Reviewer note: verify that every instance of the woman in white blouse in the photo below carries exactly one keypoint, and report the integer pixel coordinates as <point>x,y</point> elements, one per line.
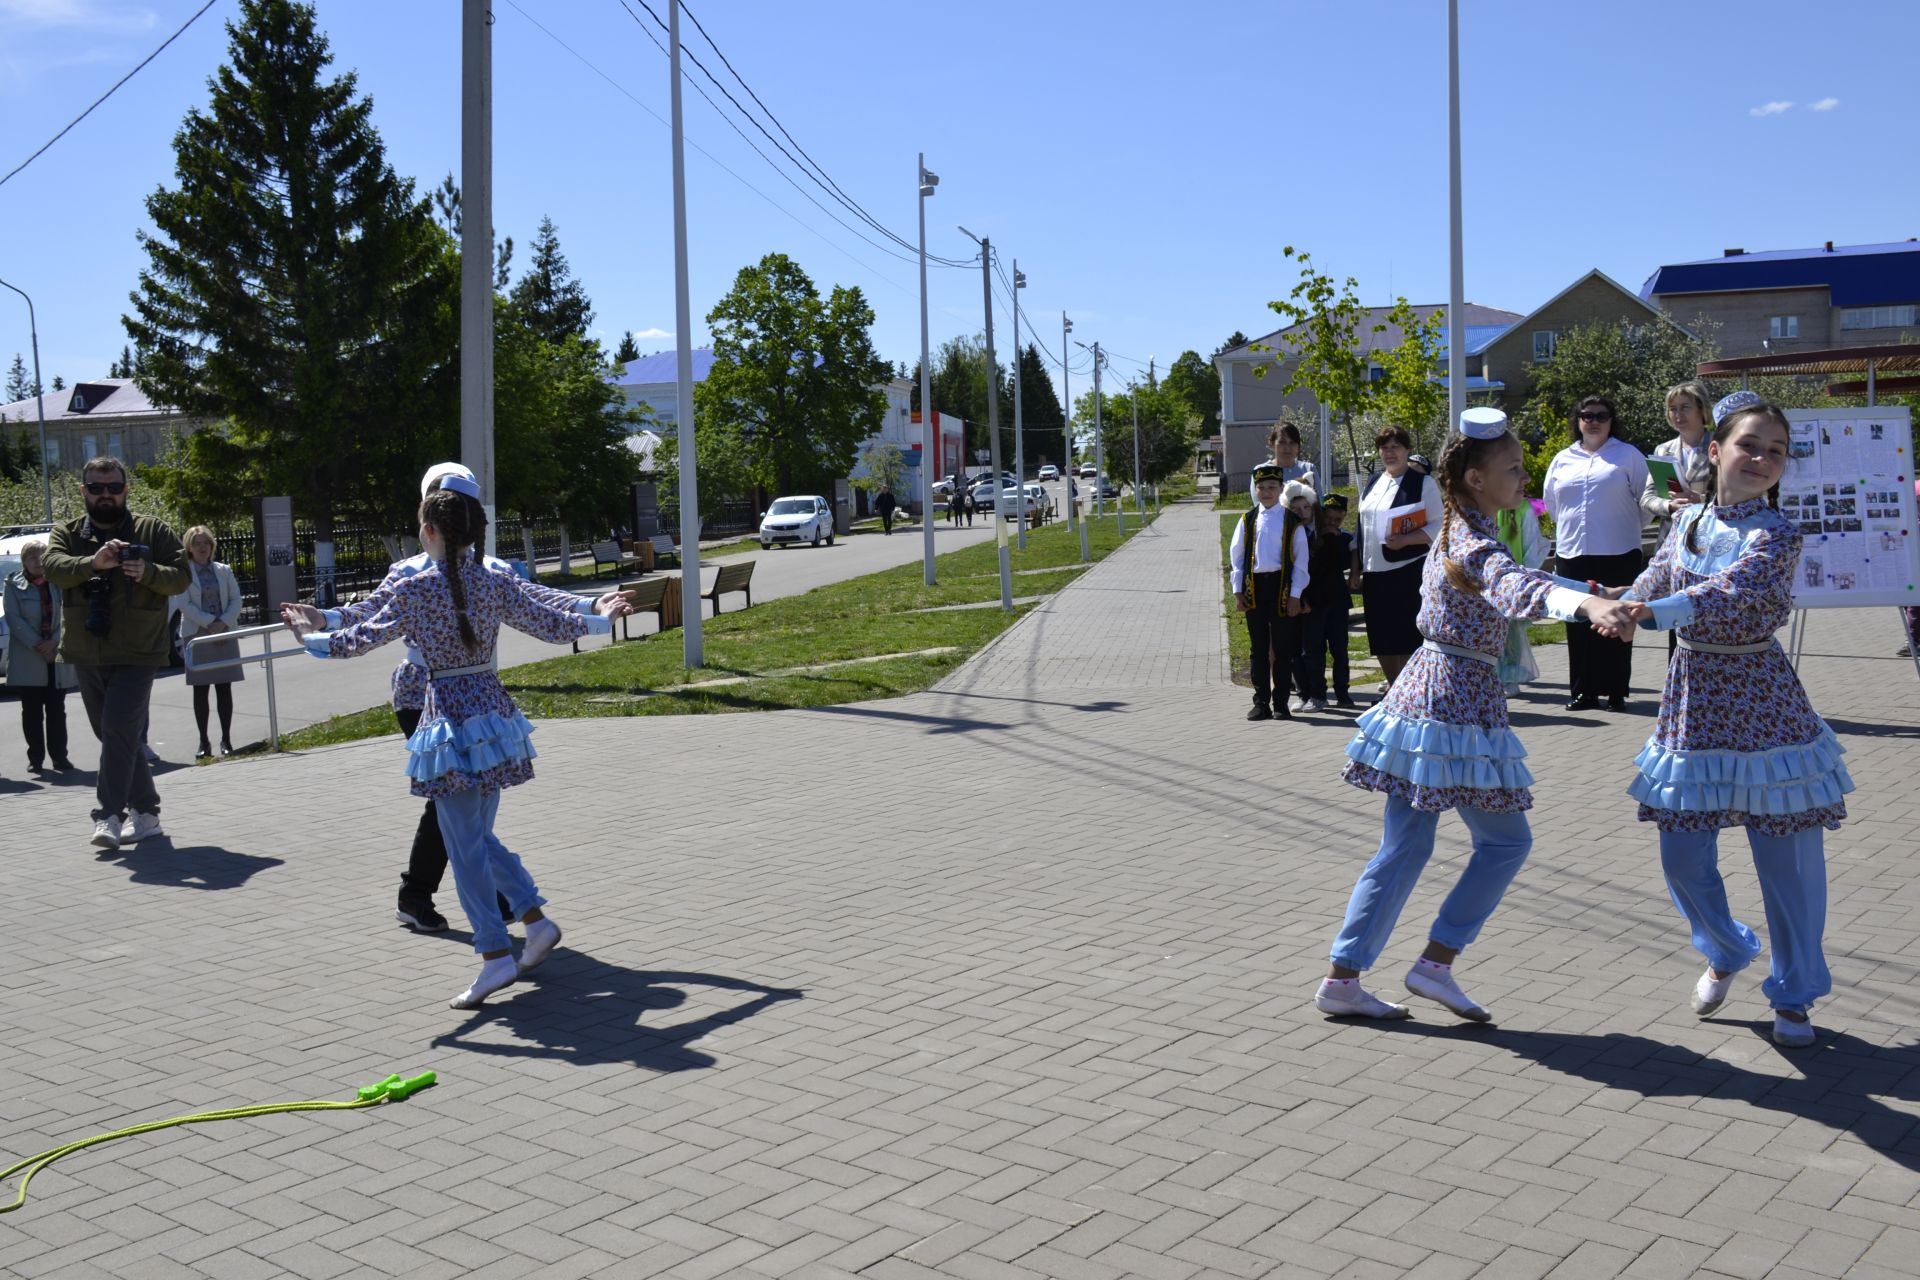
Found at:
<point>1593,491</point>
<point>1387,565</point>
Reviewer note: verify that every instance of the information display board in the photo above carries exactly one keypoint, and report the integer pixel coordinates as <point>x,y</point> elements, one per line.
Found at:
<point>1849,488</point>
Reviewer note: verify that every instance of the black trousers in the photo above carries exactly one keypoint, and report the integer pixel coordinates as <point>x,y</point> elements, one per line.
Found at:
<point>1275,636</point>
<point>1596,666</point>
<point>427,861</point>
<point>1323,634</point>
<point>43,722</point>
<point>116,700</point>
<point>886,520</point>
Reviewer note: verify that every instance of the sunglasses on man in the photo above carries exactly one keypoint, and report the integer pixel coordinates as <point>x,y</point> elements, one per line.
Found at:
<point>98,487</point>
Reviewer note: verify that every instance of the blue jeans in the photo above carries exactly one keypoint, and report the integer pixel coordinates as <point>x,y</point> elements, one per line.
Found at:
<point>1501,842</point>
<point>483,869</point>
<point>1793,887</point>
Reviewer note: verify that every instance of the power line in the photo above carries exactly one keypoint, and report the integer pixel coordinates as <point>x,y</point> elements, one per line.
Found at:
<point>109,93</point>
<point>624,92</point>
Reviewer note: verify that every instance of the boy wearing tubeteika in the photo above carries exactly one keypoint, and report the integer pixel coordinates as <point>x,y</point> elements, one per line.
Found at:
<point>1269,565</point>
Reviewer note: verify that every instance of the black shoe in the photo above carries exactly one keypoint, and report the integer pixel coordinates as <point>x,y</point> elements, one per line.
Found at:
<point>416,912</point>
<point>1618,702</point>
<point>226,747</point>
<point>1344,701</point>
<point>63,765</point>
<point>205,751</point>
<point>1585,702</point>
<point>35,767</point>
<point>1282,713</point>
<point>1261,711</point>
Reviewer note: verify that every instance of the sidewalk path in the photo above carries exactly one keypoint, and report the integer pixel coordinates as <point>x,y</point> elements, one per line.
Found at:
<point>1005,979</point>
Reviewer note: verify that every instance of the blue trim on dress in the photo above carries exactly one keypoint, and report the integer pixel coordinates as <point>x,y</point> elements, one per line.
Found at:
<point>477,744</point>
<point>1434,753</point>
<point>1783,780</point>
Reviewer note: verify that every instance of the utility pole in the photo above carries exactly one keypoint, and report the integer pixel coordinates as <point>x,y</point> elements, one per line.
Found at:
<point>1066,437</point>
<point>1457,290</point>
<point>929,432</point>
<point>476,259</point>
<point>39,404</point>
<point>692,638</point>
<point>1139,501</point>
<point>1019,438</point>
<point>993,422</point>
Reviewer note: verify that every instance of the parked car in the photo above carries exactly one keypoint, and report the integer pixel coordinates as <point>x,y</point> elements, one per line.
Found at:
<point>1088,471</point>
<point>1042,497</point>
<point>807,518</point>
<point>1106,488</point>
<point>983,492</point>
<point>1049,472</point>
<point>943,487</point>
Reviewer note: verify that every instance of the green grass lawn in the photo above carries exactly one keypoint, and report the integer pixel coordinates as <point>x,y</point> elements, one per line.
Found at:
<point>758,649</point>
<point>1240,647</point>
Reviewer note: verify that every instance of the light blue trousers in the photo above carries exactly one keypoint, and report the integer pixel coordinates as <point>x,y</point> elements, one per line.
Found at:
<point>1793,886</point>
<point>1501,842</point>
<point>483,868</point>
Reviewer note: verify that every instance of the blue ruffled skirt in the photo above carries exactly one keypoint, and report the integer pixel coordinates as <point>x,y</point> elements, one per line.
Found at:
<point>477,747</point>
<point>1435,765</point>
<point>1786,787</point>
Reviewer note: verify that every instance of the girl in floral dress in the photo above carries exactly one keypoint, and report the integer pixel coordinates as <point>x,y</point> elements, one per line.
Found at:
<point>472,741</point>
<point>1737,744</point>
<point>1439,740</point>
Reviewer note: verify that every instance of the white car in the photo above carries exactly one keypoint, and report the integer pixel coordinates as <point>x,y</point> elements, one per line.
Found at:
<point>1088,471</point>
<point>1031,498</point>
<point>804,519</point>
<point>1049,472</point>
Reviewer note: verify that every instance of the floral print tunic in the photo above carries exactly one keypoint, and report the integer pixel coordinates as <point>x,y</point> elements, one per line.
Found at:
<point>471,736</point>
<point>1440,737</point>
<point>1737,742</point>
<point>408,685</point>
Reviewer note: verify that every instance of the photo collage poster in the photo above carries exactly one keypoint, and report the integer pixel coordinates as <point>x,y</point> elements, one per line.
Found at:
<point>1849,488</point>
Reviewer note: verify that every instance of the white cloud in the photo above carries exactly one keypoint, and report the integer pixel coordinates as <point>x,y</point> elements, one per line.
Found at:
<point>1770,109</point>
<point>653,333</point>
<point>1825,104</point>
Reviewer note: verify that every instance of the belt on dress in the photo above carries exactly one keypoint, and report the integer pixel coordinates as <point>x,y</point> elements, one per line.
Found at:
<point>1702,646</point>
<point>447,673</point>
<point>1459,652</point>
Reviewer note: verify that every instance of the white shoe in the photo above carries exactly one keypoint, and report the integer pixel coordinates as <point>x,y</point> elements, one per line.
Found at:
<point>494,975</point>
<point>1441,987</point>
<point>1302,703</point>
<point>106,833</point>
<point>1355,1001</point>
<point>144,827</point>
<point>1789,1034</point>
<point>1710,993</point>
<point>543,935</point>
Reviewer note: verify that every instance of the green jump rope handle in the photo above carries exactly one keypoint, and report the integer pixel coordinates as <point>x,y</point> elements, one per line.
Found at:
<point>396,1088</point>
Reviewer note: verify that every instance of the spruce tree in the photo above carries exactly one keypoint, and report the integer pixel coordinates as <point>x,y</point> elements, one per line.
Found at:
<point>552,304</point>
<point>629,349</point>
<point>19,381</point>
<point>298,288</point>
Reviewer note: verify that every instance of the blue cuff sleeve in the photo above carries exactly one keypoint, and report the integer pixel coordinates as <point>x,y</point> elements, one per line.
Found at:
<point>584,604</point>
<point>597,625</point>
<point>318,643</point>
<point>1673,611</point>
<point>335,619</point>
<point>1570,584</point>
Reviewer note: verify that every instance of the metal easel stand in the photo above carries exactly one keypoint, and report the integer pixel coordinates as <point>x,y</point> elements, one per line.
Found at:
<point>1796,637</point>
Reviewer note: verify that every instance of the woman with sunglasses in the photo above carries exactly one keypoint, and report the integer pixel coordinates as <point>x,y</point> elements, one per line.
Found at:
<point>1592,491</point>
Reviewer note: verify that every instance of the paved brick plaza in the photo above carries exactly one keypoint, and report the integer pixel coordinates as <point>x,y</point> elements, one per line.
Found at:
<point>1007,979</point>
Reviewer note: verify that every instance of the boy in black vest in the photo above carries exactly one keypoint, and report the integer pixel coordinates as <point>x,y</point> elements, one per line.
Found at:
<point>1269,564</point>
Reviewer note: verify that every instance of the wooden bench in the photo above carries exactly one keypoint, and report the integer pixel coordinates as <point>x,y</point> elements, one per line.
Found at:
<point>737,576</point>
<point>610,553</point>
<point>663,548</point>
<point>648,596</point>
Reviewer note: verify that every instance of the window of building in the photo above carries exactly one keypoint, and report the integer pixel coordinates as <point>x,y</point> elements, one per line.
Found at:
<point>89,446</point>
<point>113,443</point>
<point>1877,317</point>
<point>1544,341</point>
<point>1783,326</point>
<point>53,453</point>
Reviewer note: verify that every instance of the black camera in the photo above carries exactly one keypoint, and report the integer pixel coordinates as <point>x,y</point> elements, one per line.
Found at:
<point>99,593</point>
<point>136,551</point>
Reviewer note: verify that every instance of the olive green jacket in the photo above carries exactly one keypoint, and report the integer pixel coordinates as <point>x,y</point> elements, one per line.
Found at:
<point>138,610</point>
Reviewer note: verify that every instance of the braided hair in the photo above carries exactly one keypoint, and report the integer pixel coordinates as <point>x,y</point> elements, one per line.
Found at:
<point>1463,453</point>
<point>1722,433</point>
<point>462,523</point>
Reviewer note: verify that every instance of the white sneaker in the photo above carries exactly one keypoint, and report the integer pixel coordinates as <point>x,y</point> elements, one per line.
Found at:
<point>106,833</point>
<point>1354,1001</point>
<point>144,826</point>
<point>1789,1034</point>
<point>543,935</point>
<point>1302,703</point>
<point>494,975</point>
<point>1441,987</point>
<point>1710,993</point>
<point>1319,704</point>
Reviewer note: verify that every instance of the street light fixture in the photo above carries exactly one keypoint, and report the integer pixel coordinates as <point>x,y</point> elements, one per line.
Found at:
<point>39,403</point>
<point>930,440</point>
<point>1019,438</point>
<point>1074,520</point>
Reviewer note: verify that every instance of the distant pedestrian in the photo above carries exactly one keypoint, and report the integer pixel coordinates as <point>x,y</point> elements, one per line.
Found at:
<point>210,606</point>
<point>38,679</point>
<point>1268,562</point>
<point>886,505</point>
<point>954,500</point>
<point>969,506</point>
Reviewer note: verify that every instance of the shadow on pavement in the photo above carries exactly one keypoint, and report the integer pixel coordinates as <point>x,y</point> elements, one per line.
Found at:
<point>1107,704</point>
<point>935,724</point>
<point>587,1011</point>
<point>1861,729</point>
<point>1842,1082</point>
<point>198,866</point>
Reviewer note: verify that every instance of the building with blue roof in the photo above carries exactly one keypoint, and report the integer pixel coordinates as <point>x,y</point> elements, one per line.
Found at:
<point>1779,301</point>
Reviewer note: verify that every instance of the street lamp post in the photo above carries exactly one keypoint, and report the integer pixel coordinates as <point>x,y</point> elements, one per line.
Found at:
<point>930,439</point>
<point>692,637</point>
<point>993,421</point>
<point>1019,439</point>
<point>39,404</point>
<point>1457,285</point>
<point>1066,441</point>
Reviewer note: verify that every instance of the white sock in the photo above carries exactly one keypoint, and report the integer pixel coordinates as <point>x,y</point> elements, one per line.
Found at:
<point>1434,965</point>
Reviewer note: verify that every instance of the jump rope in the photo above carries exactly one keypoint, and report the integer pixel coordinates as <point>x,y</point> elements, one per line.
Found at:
<point>392,1089</point>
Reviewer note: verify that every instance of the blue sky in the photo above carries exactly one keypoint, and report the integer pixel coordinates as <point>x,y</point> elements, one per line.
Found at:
<point>1144,163</point>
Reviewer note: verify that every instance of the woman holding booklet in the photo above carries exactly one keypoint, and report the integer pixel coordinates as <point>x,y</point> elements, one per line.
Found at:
<point>1677,468</point>
<point>1399,512</point>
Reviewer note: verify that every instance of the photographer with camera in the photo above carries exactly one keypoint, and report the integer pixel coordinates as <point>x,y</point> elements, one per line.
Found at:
<point>117,570</point>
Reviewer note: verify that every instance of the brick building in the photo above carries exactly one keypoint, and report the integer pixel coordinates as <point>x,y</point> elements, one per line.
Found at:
<point>1786,300</point>
<point>1506,363</point>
